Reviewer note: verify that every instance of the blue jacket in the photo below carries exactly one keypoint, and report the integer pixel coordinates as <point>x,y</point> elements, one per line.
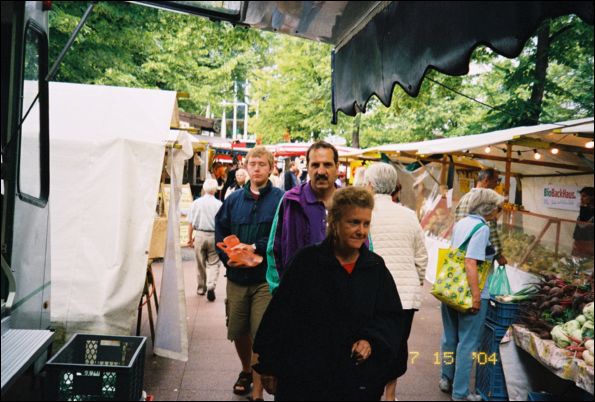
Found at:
<point>250,220</point>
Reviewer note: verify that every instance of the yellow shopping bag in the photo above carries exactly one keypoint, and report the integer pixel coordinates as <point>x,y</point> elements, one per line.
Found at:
<point>451,286</point>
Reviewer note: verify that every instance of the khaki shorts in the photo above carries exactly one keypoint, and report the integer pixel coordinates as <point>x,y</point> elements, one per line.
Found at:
<point>244,308</point>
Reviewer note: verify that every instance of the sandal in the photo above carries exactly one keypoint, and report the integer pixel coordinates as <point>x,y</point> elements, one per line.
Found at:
<point>243,383</point>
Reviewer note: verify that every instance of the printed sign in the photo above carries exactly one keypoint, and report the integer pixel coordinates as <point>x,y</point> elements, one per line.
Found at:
<point>562,197</point>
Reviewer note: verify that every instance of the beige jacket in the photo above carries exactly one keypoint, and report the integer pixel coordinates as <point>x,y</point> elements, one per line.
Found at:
<point>398,238</point>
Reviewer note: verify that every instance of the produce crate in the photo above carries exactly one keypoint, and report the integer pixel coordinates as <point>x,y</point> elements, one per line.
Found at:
<point>97,367</point>
<point>489,378</point>
<point>502,314</point>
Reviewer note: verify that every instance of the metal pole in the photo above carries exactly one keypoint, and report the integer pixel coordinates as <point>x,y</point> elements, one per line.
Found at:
<point>73,36</point>
<point>223,123</point>
<point>235,111</point>
<point>246,121</point>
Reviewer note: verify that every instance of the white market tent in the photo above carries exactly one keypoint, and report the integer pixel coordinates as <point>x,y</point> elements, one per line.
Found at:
<point>107,149</point>
<point>524,141</point>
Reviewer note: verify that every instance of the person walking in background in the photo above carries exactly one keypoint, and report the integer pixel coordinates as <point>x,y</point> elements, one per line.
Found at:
<point>241,177</point>
<point>331,329</point>
<point>301,217</point>
<point>201,235</point>
<point>487,178</point>
<point>462,331</point>
<point>398,238</point>
<point>291,177</point>
<point>276,178</point>
<point>248,214</point>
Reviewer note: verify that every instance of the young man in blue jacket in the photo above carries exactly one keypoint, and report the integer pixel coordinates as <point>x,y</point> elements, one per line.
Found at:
<point>248,214</point>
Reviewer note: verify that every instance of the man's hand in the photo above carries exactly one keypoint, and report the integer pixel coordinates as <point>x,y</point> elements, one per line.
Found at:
<point>190,242</point>
<point>361,351</point>
<point>502,260</point>
<point>242,246</point>
<point>269,382</point>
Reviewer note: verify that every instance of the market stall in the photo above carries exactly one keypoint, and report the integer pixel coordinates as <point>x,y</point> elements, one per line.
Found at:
<point>542,170</point>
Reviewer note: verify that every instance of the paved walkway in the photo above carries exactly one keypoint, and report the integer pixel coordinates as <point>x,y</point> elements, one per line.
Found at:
<point>213,366</point>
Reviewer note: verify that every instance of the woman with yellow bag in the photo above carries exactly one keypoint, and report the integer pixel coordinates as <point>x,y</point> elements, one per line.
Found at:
<point>463,325</point>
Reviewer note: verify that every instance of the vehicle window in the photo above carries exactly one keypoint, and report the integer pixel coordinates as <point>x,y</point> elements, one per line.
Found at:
<point>30,149</point>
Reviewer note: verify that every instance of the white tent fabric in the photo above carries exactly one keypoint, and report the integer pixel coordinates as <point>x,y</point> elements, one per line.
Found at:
<point>552,133</point>
<point>171,334</point>
<point>470,142</point>
<point>107,147</point>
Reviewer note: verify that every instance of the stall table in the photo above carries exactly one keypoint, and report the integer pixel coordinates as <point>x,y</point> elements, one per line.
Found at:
<point>557,360</point>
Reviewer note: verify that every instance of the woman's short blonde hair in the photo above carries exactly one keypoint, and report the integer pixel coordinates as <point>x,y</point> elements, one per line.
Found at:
<point>260,152</point>
<point>344,199</point>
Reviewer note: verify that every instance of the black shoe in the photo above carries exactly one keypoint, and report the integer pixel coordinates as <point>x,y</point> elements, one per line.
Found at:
<point>211,295</point>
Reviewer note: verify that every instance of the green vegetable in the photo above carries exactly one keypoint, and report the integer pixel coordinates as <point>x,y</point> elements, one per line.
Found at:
<point>587,330</point>
<point>581,319</point>
<point>588,358</point>
<point>590,345</point>
<point>588,311</point>
<point>559,337</point>
<point>571,326</point>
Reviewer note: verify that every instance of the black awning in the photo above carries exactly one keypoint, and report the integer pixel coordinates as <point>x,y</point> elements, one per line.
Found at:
<point>405,39</point>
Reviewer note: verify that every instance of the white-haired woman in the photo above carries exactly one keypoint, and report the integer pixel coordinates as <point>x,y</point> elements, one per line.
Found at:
<point>462,331</point>
<point>398,238</point>
<point>241,179</point>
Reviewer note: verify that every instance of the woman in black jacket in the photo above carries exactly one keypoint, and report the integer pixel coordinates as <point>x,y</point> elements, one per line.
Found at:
<point>330,330</point>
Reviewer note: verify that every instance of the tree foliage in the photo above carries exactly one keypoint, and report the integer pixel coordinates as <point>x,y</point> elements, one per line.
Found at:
<point>129,45</point>
<point>290,79</point>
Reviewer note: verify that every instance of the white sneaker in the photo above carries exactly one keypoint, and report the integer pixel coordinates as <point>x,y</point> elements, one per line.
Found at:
<point>470,397</point>
<point>445,385</point>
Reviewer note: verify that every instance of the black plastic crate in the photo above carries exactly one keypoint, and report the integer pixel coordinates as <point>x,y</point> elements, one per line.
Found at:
<point>502,314</point>
<point>490,382</point>
<point>97,367</point>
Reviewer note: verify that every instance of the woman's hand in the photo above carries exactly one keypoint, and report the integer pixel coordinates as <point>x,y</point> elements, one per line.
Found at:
<point>269,382</point>
<point>361,351</point>
<point>476,305</point>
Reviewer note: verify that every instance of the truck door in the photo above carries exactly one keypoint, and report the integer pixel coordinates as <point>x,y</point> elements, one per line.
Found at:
<point>25,166</point>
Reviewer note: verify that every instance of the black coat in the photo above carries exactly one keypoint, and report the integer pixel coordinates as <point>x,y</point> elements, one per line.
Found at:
<point>318,312</point>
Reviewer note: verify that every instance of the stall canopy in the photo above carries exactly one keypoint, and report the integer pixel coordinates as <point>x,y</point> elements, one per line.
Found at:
<point>107,149</point>
<point>569,138</point>
<point>389,43</point>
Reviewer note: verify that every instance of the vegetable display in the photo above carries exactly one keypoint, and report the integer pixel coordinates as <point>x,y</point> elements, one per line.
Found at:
<point>557,309</point>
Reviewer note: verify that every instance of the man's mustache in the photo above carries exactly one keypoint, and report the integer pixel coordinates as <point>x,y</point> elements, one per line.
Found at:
<point>320,177</point>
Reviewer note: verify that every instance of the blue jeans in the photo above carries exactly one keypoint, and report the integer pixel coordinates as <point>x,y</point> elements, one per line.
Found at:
<point>460,339</point>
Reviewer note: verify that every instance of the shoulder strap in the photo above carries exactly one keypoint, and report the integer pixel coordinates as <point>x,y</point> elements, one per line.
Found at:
<point>464,245</point>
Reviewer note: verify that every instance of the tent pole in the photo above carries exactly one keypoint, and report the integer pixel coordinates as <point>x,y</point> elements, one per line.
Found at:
<point>508,169</point>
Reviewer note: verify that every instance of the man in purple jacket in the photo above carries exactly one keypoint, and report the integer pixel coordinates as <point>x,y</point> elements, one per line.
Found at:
<point>301,216</point>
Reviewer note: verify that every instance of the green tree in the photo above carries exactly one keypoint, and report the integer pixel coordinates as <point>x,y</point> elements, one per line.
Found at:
<point>294,92</point>
<point>129,45</point>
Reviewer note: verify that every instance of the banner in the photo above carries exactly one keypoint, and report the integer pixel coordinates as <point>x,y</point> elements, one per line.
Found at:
<point>562,197</point>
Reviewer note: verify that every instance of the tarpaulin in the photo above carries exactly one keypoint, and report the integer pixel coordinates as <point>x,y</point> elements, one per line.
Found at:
<point>106,156</point>
<point>406,38</point>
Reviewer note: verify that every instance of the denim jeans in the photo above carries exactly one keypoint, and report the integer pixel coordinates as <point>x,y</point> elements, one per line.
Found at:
<point>460,339</point>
